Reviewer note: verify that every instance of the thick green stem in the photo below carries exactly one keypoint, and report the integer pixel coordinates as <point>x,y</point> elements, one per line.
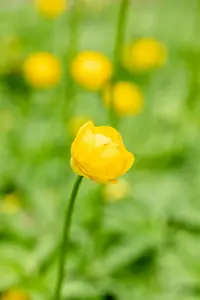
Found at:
<point>65,238</point>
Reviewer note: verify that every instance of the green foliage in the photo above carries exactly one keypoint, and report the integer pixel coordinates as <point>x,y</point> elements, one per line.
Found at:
<point>145,247</point>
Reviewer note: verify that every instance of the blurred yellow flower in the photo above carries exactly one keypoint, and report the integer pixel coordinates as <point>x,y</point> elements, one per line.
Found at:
<point>42,70</point>
<point>144,54</point>
<point>6,120</point>
<point>127,98</point>
<point>98,153</point>
<point>15,294</point>
<point>91,70</point>
<point>51,8</point>
<point>10,204</point>
<point>75,123</point>
<point>116,192</point>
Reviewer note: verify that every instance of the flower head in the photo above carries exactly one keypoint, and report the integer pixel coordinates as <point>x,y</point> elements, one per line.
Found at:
<point>145,54</point>
<point>98,153</point>
<point>116,192</point>
<point>15,294</point>
<point>127,98</point>
<point>42,70</point>
<point>51,8</point>
<point>91,70</point>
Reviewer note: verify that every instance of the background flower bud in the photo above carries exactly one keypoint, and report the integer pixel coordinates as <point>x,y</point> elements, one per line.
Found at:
<point>91,70</point>
<point>127,98</point>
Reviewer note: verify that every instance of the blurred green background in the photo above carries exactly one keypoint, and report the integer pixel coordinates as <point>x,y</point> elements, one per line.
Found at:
<point>146,246</point>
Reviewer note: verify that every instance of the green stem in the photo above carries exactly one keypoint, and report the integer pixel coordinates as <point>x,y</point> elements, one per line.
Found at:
<point>64,248</point>
<point>121,26</point>
<point>69,87</point>
<point>119,42</point>
<point>73,27</point>
<point>193,65</point>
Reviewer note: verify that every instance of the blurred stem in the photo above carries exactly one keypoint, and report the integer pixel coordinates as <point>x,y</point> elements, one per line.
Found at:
<point>193,64</point>
<point>64,248</point>
<point>119,42</point>
<point>73,27</point>
<point>121,26</point>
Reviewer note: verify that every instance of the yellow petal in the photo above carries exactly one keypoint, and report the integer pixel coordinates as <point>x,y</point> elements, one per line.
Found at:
<point>81,147</point>
<point>107,164</point>
<point>74,167</point>
<point>113,181</point>
<point>87,126</point>
<point>78,169</point>
<point>100,140</point>
<point>110,132</point>
<point>129,160</point>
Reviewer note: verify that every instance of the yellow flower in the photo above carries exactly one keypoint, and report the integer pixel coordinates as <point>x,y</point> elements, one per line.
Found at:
<point>92,70</point>
<point>42,70</point>
<point>75,123</point>
<point>145,54</point>
<point>51,8</point>
<point>115,192</point>
<point>15,294</point>
<point>10,204</point>
<point>6,120</point>
<point>98,153</point>
<point>127,98</point>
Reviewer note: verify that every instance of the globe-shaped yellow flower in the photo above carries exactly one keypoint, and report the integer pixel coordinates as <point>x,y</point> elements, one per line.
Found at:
<point>42,70</point>
<point>51,8</point>
<point>145,54</point>
<point>127,98</point>
<point>98,153</point>
<point>91,70</point>
<point>15,294</point>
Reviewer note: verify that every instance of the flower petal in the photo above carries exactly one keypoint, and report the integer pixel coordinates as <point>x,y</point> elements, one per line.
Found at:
<point>129,160</point>
<point>75,168</point>
<point>110,132</point>
<point>87,126</point>
<point>111,163</point>
<point>81,147</point>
